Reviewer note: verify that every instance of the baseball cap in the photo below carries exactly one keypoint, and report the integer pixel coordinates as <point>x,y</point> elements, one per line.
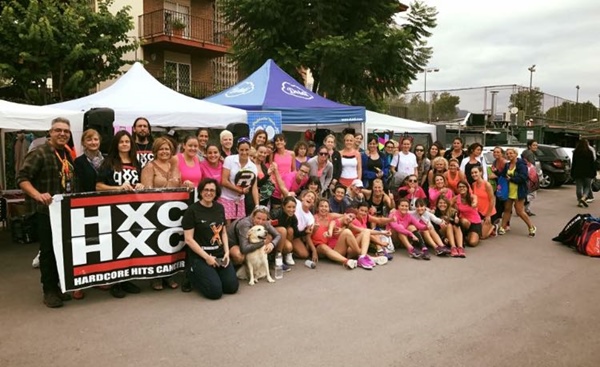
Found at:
<point>357,183</point>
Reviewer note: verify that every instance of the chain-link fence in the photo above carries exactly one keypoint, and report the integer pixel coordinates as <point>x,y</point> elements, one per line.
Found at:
<point>511,102</point>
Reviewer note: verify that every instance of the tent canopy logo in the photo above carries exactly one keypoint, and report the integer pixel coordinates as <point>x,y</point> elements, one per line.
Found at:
<point>240,90</point>
<point>295,91</point>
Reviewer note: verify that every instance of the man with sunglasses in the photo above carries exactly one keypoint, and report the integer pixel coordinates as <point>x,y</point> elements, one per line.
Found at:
<point>47,171</point>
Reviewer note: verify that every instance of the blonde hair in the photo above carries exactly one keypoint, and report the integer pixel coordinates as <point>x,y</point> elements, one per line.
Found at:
<point>437,160</point>
<point>225,134</point>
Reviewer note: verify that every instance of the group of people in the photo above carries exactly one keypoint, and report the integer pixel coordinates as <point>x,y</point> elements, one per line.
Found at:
<point>350,205</point>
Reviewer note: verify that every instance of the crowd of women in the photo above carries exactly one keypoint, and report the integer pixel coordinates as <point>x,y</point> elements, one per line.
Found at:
<point>350,205</point>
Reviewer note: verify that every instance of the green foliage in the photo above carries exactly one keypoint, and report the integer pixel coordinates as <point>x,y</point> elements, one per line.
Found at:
<point>355,51</point>
<point>528,101</point>
<point>444,106</point>
<point>569,112</point>
<point>64,40</point>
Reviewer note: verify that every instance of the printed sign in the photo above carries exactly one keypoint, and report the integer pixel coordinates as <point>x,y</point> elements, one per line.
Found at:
<point>240,90</point>
<point>111,237</point>
<point>269,121</point>
<point>295,91</point>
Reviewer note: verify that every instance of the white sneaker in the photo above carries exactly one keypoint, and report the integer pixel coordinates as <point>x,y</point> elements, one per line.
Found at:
<point>351,264</point>
<point>380,260</point>
<point>289,259</point>
<point>36,261</point>
<point>589,200</point>
<point>390,248</point>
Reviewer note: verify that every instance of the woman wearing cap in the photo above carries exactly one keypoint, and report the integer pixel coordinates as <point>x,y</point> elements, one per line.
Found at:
<point>354,194</point>
<point>237,233</point>
<point>238,179</point>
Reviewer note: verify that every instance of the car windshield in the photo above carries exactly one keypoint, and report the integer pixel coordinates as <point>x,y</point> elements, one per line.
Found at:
<point>561,152</point>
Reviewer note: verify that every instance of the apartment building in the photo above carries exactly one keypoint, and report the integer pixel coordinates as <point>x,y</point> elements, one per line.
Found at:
<point>183,44</point>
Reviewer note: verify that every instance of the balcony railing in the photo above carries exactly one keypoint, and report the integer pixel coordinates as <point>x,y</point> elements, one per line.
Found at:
<point>183,26</point>
<point>193,88</point>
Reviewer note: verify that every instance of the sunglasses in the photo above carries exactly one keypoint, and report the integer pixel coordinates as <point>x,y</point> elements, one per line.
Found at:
<point>419,150</point>
<point>209,190</point>
<point>323,154</point>
<point>412,181</point>
<point>243,140</point>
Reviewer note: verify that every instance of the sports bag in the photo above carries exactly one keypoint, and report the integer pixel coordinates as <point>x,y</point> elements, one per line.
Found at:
<point>533,182</point>
<point>570,233</point>
<point>588,242</point>
<point>502,188</point>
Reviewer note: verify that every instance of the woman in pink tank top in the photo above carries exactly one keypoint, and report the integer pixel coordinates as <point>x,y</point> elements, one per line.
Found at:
<point>188,162</point>
<point>285,159</point>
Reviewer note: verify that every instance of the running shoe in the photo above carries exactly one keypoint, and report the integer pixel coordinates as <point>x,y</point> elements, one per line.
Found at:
<point>289,259</point>
<point>285,267</point>
<point>495,231</point>
<point>591,200</point>
<point>439,251</point>
<point>385,253</point>
<point>425,254</point>
<point>390,248</point>
<point>351,264</point>
<point>501,231</point>
<point>414,254</point>
<point>532,231</point>
<point>366,263</point>
<point>454,252</point>
<point>380,260</point>
<point>461,253</point>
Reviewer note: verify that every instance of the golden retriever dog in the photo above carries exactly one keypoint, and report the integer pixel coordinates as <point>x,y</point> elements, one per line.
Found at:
<point>256,263</point>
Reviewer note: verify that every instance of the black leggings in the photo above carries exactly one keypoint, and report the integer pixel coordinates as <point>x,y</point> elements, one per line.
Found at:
<point>212,282</point>
<point>420,241</point>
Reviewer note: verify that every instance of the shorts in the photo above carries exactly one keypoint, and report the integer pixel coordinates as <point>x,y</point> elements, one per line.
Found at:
<point>474,227</point>
<point>233,209</point>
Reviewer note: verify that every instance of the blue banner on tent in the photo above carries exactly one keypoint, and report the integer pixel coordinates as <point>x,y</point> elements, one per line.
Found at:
<point>269,121</point>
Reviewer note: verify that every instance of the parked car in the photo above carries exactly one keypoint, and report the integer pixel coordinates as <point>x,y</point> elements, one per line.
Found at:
<point>556,165</point>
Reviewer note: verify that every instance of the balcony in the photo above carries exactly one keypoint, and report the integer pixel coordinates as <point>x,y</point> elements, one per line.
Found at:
<point>184,32</point>
<point>193,88</point>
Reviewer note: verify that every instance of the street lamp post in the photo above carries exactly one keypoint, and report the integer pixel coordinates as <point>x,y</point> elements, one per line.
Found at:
<point>577,97</point>
<point>425,71</point>
<point>529,100</point>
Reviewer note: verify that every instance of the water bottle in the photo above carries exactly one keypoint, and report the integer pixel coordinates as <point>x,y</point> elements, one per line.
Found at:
<point>310,264</point>
<point>278,266</point>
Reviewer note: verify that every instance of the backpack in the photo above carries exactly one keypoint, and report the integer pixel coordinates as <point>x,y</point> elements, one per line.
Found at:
<point>533,182</point>
<point>588,242</point>
<point>570,233</point>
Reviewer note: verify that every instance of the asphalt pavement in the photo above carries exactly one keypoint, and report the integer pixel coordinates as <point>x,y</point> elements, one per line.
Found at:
<point>514,301</point>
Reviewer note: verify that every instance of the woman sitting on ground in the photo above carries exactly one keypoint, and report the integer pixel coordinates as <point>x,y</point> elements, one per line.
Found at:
<point>364,222</point>
<point>470,221</point>
<point>515,171</point>
<point>407,229</point>
<point>237,233</point>
<point>430,235</point>
<point>286,224</point>
<point>203,223</point>
<point>379,202</point>
<point>450,228</point>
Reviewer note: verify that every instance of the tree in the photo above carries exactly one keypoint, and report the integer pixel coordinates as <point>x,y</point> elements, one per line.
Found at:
<point>355,51</point>
<point>65,41</point>
<point>444,106</point>
<point>529,101</point>
<point>570,112</point>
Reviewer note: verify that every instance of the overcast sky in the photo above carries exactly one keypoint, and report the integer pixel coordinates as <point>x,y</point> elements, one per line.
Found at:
<point>480,43</point>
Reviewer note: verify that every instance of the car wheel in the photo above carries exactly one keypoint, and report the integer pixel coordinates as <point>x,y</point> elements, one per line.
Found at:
<point>546,181</point>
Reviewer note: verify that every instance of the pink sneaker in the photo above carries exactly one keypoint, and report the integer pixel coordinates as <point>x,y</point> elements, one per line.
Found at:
<point>366,263</point>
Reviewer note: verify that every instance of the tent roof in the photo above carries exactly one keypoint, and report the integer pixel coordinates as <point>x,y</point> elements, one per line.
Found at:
<point>379,121</point>
<point>15,116</point>
<point>271,88</point>
<point>137,93</point>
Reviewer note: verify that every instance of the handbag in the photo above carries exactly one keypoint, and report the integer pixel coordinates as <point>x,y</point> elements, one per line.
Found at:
<point>502,188</point>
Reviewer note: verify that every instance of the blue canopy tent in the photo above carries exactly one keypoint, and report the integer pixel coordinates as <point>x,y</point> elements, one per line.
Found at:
<point>270,88</point>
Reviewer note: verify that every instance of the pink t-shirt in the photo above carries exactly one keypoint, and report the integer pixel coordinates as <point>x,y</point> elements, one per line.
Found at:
<point>209,171</point>
<point>291,184</point>
<point>188,173</point>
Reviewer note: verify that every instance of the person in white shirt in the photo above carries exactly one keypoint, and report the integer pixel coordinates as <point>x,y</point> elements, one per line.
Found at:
<point>404,163</point>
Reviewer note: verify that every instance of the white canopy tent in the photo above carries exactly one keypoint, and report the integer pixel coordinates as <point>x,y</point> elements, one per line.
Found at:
<point>137,93</point>
<point>379,121</point>
<point>15,116</point>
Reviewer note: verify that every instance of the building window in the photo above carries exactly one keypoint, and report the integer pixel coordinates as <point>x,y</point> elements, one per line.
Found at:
<point>178,76</point>
<point>224,73</point>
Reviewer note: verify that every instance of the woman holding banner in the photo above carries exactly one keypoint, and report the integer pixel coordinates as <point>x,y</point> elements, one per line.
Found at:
<point>211,272</point>
<point>120,171</point>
